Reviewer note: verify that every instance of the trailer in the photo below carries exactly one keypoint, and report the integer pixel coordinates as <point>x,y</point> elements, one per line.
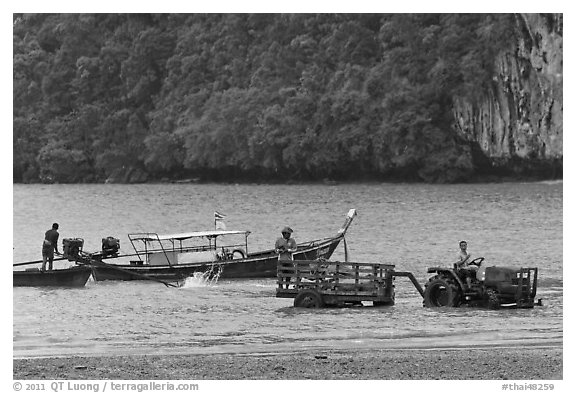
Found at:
<point>319,283</point>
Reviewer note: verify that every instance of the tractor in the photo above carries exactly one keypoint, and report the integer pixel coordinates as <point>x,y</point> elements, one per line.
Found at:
<point>491,287</point>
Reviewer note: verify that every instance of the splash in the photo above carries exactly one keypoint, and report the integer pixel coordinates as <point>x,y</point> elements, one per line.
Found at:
<point>204,279</point>
<point>91,281</point>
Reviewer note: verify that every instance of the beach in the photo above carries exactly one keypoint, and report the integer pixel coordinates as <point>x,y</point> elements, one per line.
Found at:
<point>517,363</point>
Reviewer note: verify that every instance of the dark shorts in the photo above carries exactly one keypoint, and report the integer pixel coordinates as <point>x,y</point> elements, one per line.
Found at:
<point>465,272</point>
<point>48,252</point>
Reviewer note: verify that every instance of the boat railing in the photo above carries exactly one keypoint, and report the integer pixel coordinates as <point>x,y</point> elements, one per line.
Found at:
<point>312,243</point>
<point>301,247</point>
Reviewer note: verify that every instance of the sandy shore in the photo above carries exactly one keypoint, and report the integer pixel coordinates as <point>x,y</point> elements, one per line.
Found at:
<point>447,364</point>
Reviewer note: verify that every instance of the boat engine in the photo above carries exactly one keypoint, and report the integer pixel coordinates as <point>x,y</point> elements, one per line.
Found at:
<point>71,248</point>
<point>110,246</point>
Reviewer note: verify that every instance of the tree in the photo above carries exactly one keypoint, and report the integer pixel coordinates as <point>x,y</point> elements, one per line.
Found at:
<point>126,96</point>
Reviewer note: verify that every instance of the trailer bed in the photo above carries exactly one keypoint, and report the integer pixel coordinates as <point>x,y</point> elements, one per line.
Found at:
<point>322,282</point>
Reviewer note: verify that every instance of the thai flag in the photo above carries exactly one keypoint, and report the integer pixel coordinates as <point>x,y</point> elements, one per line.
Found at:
<point>219,221</point>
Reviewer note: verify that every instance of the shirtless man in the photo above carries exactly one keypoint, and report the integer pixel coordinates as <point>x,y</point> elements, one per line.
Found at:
<point>463,263</point>
<point>463,256</point>
<point>50,245</point>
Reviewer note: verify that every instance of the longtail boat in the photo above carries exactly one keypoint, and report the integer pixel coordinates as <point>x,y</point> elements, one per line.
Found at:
<point>177,256</point>
<point>74,277</point>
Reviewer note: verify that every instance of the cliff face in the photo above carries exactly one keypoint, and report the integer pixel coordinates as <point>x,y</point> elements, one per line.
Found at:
<point>518,125</point>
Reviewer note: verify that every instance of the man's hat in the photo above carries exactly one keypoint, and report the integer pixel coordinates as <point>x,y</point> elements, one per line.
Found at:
<point>287,230</point>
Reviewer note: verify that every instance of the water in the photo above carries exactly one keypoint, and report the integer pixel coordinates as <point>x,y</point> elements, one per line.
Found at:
<point>411,226</point>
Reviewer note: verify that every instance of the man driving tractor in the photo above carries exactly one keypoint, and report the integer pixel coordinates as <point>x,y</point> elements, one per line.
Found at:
<point>463,264</point>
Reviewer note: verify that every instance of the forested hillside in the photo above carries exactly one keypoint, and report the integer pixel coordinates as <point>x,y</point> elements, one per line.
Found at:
<point>140,97</point>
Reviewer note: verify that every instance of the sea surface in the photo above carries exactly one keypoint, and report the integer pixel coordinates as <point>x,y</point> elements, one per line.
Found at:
<point>410,225</point>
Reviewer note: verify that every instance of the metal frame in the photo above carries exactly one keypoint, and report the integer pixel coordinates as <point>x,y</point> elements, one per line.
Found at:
<point>369,281</point>
<point>177,243</point>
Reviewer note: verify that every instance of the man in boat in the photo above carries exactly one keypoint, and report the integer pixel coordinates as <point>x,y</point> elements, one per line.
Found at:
<point>285,247</point>
<point>49,246</point>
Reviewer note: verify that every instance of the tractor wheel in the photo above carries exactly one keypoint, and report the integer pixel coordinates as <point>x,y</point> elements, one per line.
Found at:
<point>441,291</point>
<point>308,298</point>
<point>492,299</point>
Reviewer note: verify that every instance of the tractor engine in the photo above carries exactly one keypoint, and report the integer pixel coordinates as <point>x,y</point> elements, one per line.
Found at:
<point>512,284</point>
<point>495,276</point>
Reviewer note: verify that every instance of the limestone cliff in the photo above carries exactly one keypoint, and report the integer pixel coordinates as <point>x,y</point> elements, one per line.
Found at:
<point>518,124</point>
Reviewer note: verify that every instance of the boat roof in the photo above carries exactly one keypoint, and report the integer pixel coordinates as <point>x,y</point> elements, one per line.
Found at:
<point>182,236</point>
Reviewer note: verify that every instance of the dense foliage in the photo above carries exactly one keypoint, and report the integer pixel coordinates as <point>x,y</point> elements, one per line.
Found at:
<point>243,97</point>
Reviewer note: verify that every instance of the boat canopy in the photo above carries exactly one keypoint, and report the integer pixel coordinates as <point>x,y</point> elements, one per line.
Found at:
<point>185,235</point>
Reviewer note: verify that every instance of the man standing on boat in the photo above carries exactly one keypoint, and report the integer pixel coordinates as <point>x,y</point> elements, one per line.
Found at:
<point>49,246</point>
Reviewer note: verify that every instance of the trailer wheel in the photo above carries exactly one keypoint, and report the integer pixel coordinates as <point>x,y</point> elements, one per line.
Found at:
<point>492,299</point>
<point>308,298</point>
<point>441,292</point>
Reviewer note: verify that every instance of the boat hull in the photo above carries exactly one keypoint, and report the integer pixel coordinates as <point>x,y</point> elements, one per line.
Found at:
<point>74,277</point>
<point>257,265</point>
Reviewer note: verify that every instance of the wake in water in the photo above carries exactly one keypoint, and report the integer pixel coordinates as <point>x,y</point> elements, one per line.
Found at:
<point>204,279</point>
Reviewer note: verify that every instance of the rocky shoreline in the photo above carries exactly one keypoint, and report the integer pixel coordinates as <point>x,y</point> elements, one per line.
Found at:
<point>477,179</point>
<point>518,363</point>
